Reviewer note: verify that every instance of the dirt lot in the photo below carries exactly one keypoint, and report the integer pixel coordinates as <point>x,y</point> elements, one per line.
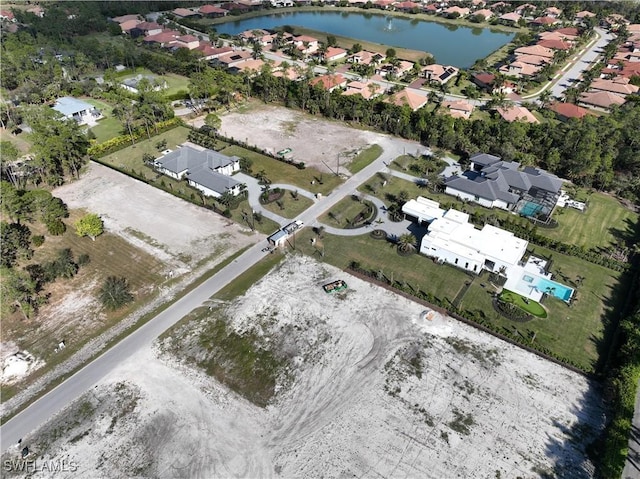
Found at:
<point>314,140</point>
<point>374,388</point>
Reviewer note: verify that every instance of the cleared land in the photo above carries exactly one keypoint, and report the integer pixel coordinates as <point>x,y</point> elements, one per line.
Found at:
<point>371,388</point>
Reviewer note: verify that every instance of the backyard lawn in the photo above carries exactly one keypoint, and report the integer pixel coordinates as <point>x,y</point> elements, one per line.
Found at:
<point>418,166</point>
<point>107,127</point>
<point>604,222</point>
<point>175,83</point>
<point>309,179</point>
<point>292,205</point>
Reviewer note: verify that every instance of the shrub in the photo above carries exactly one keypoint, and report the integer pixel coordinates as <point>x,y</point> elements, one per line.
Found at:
<point>37,240</point>
<point>83,259</point>
<point>115,293</point>
<point>56,227</point>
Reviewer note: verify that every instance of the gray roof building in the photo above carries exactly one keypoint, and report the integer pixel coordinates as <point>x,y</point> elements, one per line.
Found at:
<point>189,158</point>
<point>212,180</point>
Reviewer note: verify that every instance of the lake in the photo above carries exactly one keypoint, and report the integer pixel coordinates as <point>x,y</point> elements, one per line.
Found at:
<point>450,44</point>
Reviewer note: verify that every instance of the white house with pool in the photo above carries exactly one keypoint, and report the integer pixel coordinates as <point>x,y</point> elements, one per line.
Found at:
<point>452,239</point>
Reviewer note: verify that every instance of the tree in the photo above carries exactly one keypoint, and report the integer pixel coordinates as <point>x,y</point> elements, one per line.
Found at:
<point>407,243</point>
<point>212,120</point>
<point>390,53</point>
<point>18,291</point>
<point>15,242</point>
<point>115,293</point>
<point>90,225</point>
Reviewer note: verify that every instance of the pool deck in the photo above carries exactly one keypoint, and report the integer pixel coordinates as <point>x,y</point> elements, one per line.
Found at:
<point>534,268</point>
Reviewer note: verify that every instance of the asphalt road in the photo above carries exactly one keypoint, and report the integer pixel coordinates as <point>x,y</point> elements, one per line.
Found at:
<point>63,395</point>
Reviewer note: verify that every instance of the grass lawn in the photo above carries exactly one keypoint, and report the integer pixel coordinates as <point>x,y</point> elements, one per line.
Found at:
<point>22,141</point>
<point>131,157</point>
<point>418,271</point>
<point>107,127</point>
<point>580,332</point>
<point>342,212</point>
<point>280,172</point>
<point>604,222</point>
<point>418,166</point>
<point>244,210</point>
<point>291,207</point>
<point>530,306</point>
<point>175,82</point>
<point>365,158</point>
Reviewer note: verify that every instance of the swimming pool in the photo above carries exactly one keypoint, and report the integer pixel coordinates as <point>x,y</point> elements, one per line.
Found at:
<point>558,290</point>
<point>530,209</point>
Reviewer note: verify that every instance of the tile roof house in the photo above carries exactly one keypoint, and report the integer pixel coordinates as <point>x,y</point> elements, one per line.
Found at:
<point>146,28</point>
<point>409,98</point>
<point>519,69</point>
<point>525,8</point>
<point>553,12</point>
<point>37,10</point>
<point>555,44</point>
<point>440,74</point>
<point>252,65</point>
<point>458,108</point>
<point>329,82</point>
<point>544,21</point>
<point>367,89</point>
<point>535,50</point>
<point>533,60</point>
<point>406,6</point>
<point>233,58</point>
<point>494,183</point>
<point>556,35</point>
<point>617,86</point>
<point>516,113</point>
<point>566,111</point>
<point>165,38</point>
<point>209,52</point>
<point>584,14</point>
<point>334,53</point>
<point>487,14</point>
<point>510,18</point>
<point>129,25</point>
<point>125,18</point>
<point>206,170</point>
<point>132,84</point>
<point>185,13</point>
<point>190,42</point>
<point>455,10</point>
<point>366,58</point>
<point>601,100</point>
<point>211,11</point>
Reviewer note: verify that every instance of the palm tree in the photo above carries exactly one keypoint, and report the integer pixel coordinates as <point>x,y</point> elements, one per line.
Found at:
<point>407,243</point>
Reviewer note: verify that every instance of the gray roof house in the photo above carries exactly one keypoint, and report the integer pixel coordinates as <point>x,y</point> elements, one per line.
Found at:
<point>492,182</point>
<point>78,110</point>
<point>207,170</point>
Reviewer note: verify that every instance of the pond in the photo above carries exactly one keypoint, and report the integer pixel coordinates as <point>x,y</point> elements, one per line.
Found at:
<point>450,44</point>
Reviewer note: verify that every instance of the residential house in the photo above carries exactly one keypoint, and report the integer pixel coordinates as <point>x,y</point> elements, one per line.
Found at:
<point>383,4</point>
<point>206,170</point>
<point>511,18</point>
<point>233,58</point>
<point>251,66</point>
<point>210,52</point>
<point>398,70</point>
<point>329,82</point>
<point>185,13</point>
<point>431,8</point>
<point>500,6</point>
<point>282,3</point>
<point>584,14</point>
<point>290,73</point>
<point>439,74</point>
<point>334,53</point>
<point>306,44</point>
<point>494,183</point>
<point>407,7</point>
<point>535,50</point>
<point>366,58</point>
<point>133,84</point>
<point>236,7</point>
<point>409,98</point>
<point>129,25</point>
<point>478,3</point>
<point>600,100</point>
<point>253,35</point>
<point>190,42</point>
<point>618,86</point>
<point>534,60</point>
<point>367,89</point>
<point>81,111</point>
<point>37,10</point>
<point>485,13</point>
<point>615,21</point>
<point>126,18</point>
<point>146,29</point>
<point>518,69</point>
<point>211,11</point>
<point>544,21</point>
<point>525,9</point>
<point>422,210</point>
<point>570,33</point>
<point>458,108</point>
<point>553,12</point>
<point>456,12</point>
<point>557,36</point>
<point>516,113</point>
<point>555,44</point>
<point>164,39</point>
<point>7,16</point>
<point>566,111</point>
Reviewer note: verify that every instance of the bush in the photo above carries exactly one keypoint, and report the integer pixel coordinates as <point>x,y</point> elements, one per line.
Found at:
<point>56,227</point>
<point>37,240</point>
<point>115,293</point>
<point>83,259</point>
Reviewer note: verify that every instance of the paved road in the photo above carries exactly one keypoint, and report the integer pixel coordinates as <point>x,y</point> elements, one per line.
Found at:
<point>632,465</point>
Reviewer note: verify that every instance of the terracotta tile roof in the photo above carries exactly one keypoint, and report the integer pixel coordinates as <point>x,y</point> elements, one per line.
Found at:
<point>407,97</point>
<point>602,99</point>
<point>569,110</point>
<point>517,113</point>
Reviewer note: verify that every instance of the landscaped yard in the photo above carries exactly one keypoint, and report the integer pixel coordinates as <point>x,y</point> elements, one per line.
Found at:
<point>107,127</point>
<point>604,222</point>
<point>344,212</point>
<point>530,306</point>
<point>309,179</point>
<point>421,166</point>
<point>365,158</point>
<point>577,332</point>
<point>175,83</point>
<point>292,204</point>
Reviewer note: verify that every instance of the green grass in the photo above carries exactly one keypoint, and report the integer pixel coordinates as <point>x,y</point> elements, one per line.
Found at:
<point>280,172</point>
<point>242,283</point>
<point>530,306</point>
<point>131,157</point>
<point>604,222</point>
<point>22,141</point>
<point>342,212</point>
<point>107,127</point>
<point>175,82</point>
<point>419,271</point>
<point>365,158</point>
<point>265,226</point>
<point>291,207</point>
<point>418,166</point>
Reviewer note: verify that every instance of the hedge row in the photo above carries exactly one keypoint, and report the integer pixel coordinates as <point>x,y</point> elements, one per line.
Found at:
<point>120,142</point>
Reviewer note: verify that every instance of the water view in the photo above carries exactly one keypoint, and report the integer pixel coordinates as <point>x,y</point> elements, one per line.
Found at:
<point>450,44</point>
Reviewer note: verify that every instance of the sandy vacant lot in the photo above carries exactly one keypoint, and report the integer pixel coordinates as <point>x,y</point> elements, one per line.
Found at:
<point>373,389</point>
<point>313,140</point>
<point>169,228</point>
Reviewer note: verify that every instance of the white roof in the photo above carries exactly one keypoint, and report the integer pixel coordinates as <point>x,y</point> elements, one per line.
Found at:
<point>500,244</point>
<point>423,208</point>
